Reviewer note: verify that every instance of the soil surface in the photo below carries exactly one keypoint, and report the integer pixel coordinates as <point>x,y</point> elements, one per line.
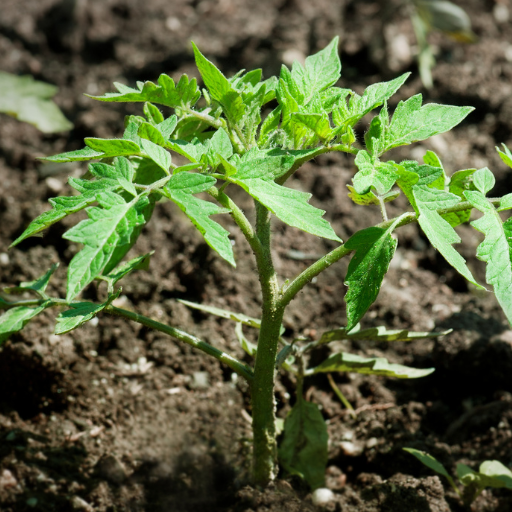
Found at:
<point>115,417</point>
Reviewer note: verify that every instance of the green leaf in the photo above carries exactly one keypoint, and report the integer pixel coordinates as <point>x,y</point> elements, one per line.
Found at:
<point>505,203</point>
<point>370,197</point>
<point>459,182</point>
<point>320,71</point>
<point>374,96</point>
<point>29,100</point>
<point>153,114</point>
<point>80,155</point>
<point>185,93</point>
<point>38,285</point>
<point>374,248</point>
<point>180,189</point>
<point>151,132</point>
<point>138,263</point>
<point>303,450</point>
<point>495,250</point>
<point>318,123</point>
<point>344,362</point>
<point>264,164</point>
<point>14,319</point>
<point>106,235</point>
<point>62,206</point>
<point>439,232</point>
<point>411,173</point>
<point>224,313</point>
<point>290,206</point>
<point>373,173</point>
<point>430,462</point>
<point>159,155</point>
<point>247,346</point>
<point>499,474</point>
<point>412,122</point>
<point>219,88</point>
<point>112,147</point>
<point>80,313</point>
<point>505,155</point>
<point>376,334</point>
<point>269,126</point>
<point>484,180</point>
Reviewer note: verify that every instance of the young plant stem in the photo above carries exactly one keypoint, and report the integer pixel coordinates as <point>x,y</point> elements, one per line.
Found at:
<point>233,363</point>
<point>263,401</point>
<point>341,396</point>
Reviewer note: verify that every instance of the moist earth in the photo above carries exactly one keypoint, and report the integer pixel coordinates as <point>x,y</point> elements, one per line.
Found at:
<point>116,417</point>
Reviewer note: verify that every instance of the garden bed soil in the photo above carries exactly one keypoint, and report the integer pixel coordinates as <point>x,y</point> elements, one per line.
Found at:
<point>116,417</point>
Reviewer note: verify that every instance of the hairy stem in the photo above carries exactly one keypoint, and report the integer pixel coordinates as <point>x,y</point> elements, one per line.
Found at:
<point>263,401</point>
<point>233,363</point>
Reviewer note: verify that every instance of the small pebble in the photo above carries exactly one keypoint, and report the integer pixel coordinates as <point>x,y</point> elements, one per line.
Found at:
<point>351,449</point>
<point>80,504</point>
<point>54,184</point>
<point>111,469</point>
<point>4,259</point>
<point>322,497</point>
<point>7,480</point>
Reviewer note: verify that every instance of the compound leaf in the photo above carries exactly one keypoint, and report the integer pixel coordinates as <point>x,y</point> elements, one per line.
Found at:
<point>439,232</point>
<point>14,319</point>
<point>320,71</point>
<point>290,206</point>
<point>376,334</point>
<point>180,189</point>
<point>373,173</point>
<point>345,362</point>
<point>38,285</point>
<point>374,96</point>
<point>185,93</point>
<point>495,250</point>
<point>374,248</point>
<point>107,235</point>
<point>412,122</point>
<point>220,88</point>
<point>62,206</point>
<point>138,263</point>
<point>303,450</point>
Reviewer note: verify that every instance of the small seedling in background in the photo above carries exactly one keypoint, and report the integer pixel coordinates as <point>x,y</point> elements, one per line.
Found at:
<point>443,16</point>
<point>491,473</point>
<point>29,100</point>
<point>223,142</point>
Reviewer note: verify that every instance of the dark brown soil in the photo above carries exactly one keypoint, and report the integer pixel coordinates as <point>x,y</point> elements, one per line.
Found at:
<point>113,417</point>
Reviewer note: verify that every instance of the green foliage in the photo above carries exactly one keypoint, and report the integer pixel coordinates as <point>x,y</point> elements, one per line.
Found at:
<point>303,451</point>
<point>29,100</point>
<point>491,473</point>
<point>207,153</point>
<point>344,362</point>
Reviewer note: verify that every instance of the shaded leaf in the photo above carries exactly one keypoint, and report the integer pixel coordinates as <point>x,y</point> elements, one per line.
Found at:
<point>303,450</point>
<point>224,313</point>
<point>430,462</point>
<point>377,334</point>
<point>345,362</point>
<point>138,263</point>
